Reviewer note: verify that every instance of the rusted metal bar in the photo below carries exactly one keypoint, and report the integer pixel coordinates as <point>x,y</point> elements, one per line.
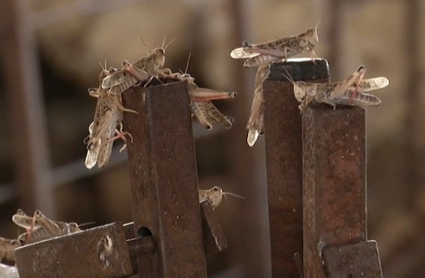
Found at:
<point>163,180</point>
<point>334,176</point>
<point>95,253</point>
<point>214,240</point>
<point>282,125</point>
<point>356,260</point>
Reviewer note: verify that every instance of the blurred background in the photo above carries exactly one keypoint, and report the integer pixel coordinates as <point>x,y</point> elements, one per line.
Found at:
<point>50,50</point>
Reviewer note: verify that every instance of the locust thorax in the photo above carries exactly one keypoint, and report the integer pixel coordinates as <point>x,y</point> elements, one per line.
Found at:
<point>311,91</point>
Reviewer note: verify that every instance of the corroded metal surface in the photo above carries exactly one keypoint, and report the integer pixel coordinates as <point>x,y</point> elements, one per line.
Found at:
<point>334,173</point>
<point>282,124</point>
<point>163,180</point>
<point>214,240</point>
<point>356,260</point>
<point>81,254</point>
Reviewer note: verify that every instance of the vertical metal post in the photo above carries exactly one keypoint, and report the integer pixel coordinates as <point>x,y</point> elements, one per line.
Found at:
<point>282,126</point>
<point>334,176</point>
<point>163,180</point>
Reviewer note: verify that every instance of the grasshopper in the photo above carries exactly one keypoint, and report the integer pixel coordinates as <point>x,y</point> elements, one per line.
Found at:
<point>348,92</point>
<point>108,114</point>
<point>39,227</point>
<point>214,195</point>
<point>255,122</point>
<point>200,100</point>
<point>280,49</point>
<point>7,248</point>
<point>144,69</point>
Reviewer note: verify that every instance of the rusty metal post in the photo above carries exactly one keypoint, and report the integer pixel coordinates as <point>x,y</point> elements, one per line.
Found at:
<point>282,125</point>
<point>334,180</point>
<point>163,180</point>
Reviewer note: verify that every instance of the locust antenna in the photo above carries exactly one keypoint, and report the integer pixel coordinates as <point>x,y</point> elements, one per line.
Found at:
<point>86,224</point>
<point>317,25</point>
<point>288,76</point>
<point>163,42</point>
<point>234,195</point>
<point>187,64</point>
<point>143,42</point>
<point>169,43</point>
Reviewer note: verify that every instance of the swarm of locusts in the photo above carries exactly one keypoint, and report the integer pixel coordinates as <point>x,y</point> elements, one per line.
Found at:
<point>347,92</point>
<point>107,124</point>
<point>38,227</point>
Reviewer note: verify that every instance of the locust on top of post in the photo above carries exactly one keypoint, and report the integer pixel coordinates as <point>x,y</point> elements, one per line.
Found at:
<point>262,55</point>
<point>144,69</point>
<point>258,54</point>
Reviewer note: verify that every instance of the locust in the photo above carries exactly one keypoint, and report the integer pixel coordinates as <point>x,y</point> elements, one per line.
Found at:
<point>280,49</point>
<point>144,69</point>
<point>347,92</point>
<point>108,115</point>
<point>39,227</point>
<point>214,196</point>
<point>7,271</point>
<point>200,100</point>
<point>256,119</point>
<point>7,248</point>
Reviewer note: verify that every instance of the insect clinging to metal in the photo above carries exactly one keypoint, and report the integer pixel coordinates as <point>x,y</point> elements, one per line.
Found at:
<point>280,49</point>
<point>347,92</point>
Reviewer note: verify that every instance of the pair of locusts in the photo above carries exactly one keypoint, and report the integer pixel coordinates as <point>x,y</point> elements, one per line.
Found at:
<point>39,227</point>
<point>348,92</point>
<point>109,109</point>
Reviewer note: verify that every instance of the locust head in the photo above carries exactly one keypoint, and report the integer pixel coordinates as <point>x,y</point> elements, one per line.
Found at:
<point>311,37</point>
<point>300,87</point>
<point>300,90</point>
<point>73,227</point>
<point>158,57</point>
<point>14,244</point>
<point>215,195</point>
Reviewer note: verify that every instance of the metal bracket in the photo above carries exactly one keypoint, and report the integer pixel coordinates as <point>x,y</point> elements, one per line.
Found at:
<point>98,252</point>
<point>106,251</point>
<point>355,260</point>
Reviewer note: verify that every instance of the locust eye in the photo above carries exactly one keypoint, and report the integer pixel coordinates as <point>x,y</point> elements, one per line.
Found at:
<point>90,147</point>
<point>15,242</point>
<point>215,189</point>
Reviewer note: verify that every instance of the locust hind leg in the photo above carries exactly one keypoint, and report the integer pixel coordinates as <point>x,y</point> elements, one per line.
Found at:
<point>122,108</point>
<point>120,134</point>
<point>356,88</point>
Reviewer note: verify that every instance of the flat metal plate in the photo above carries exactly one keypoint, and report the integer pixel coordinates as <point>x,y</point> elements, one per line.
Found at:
<point>214,240</point>
<point>356,260</point>
<point>77,255</point>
